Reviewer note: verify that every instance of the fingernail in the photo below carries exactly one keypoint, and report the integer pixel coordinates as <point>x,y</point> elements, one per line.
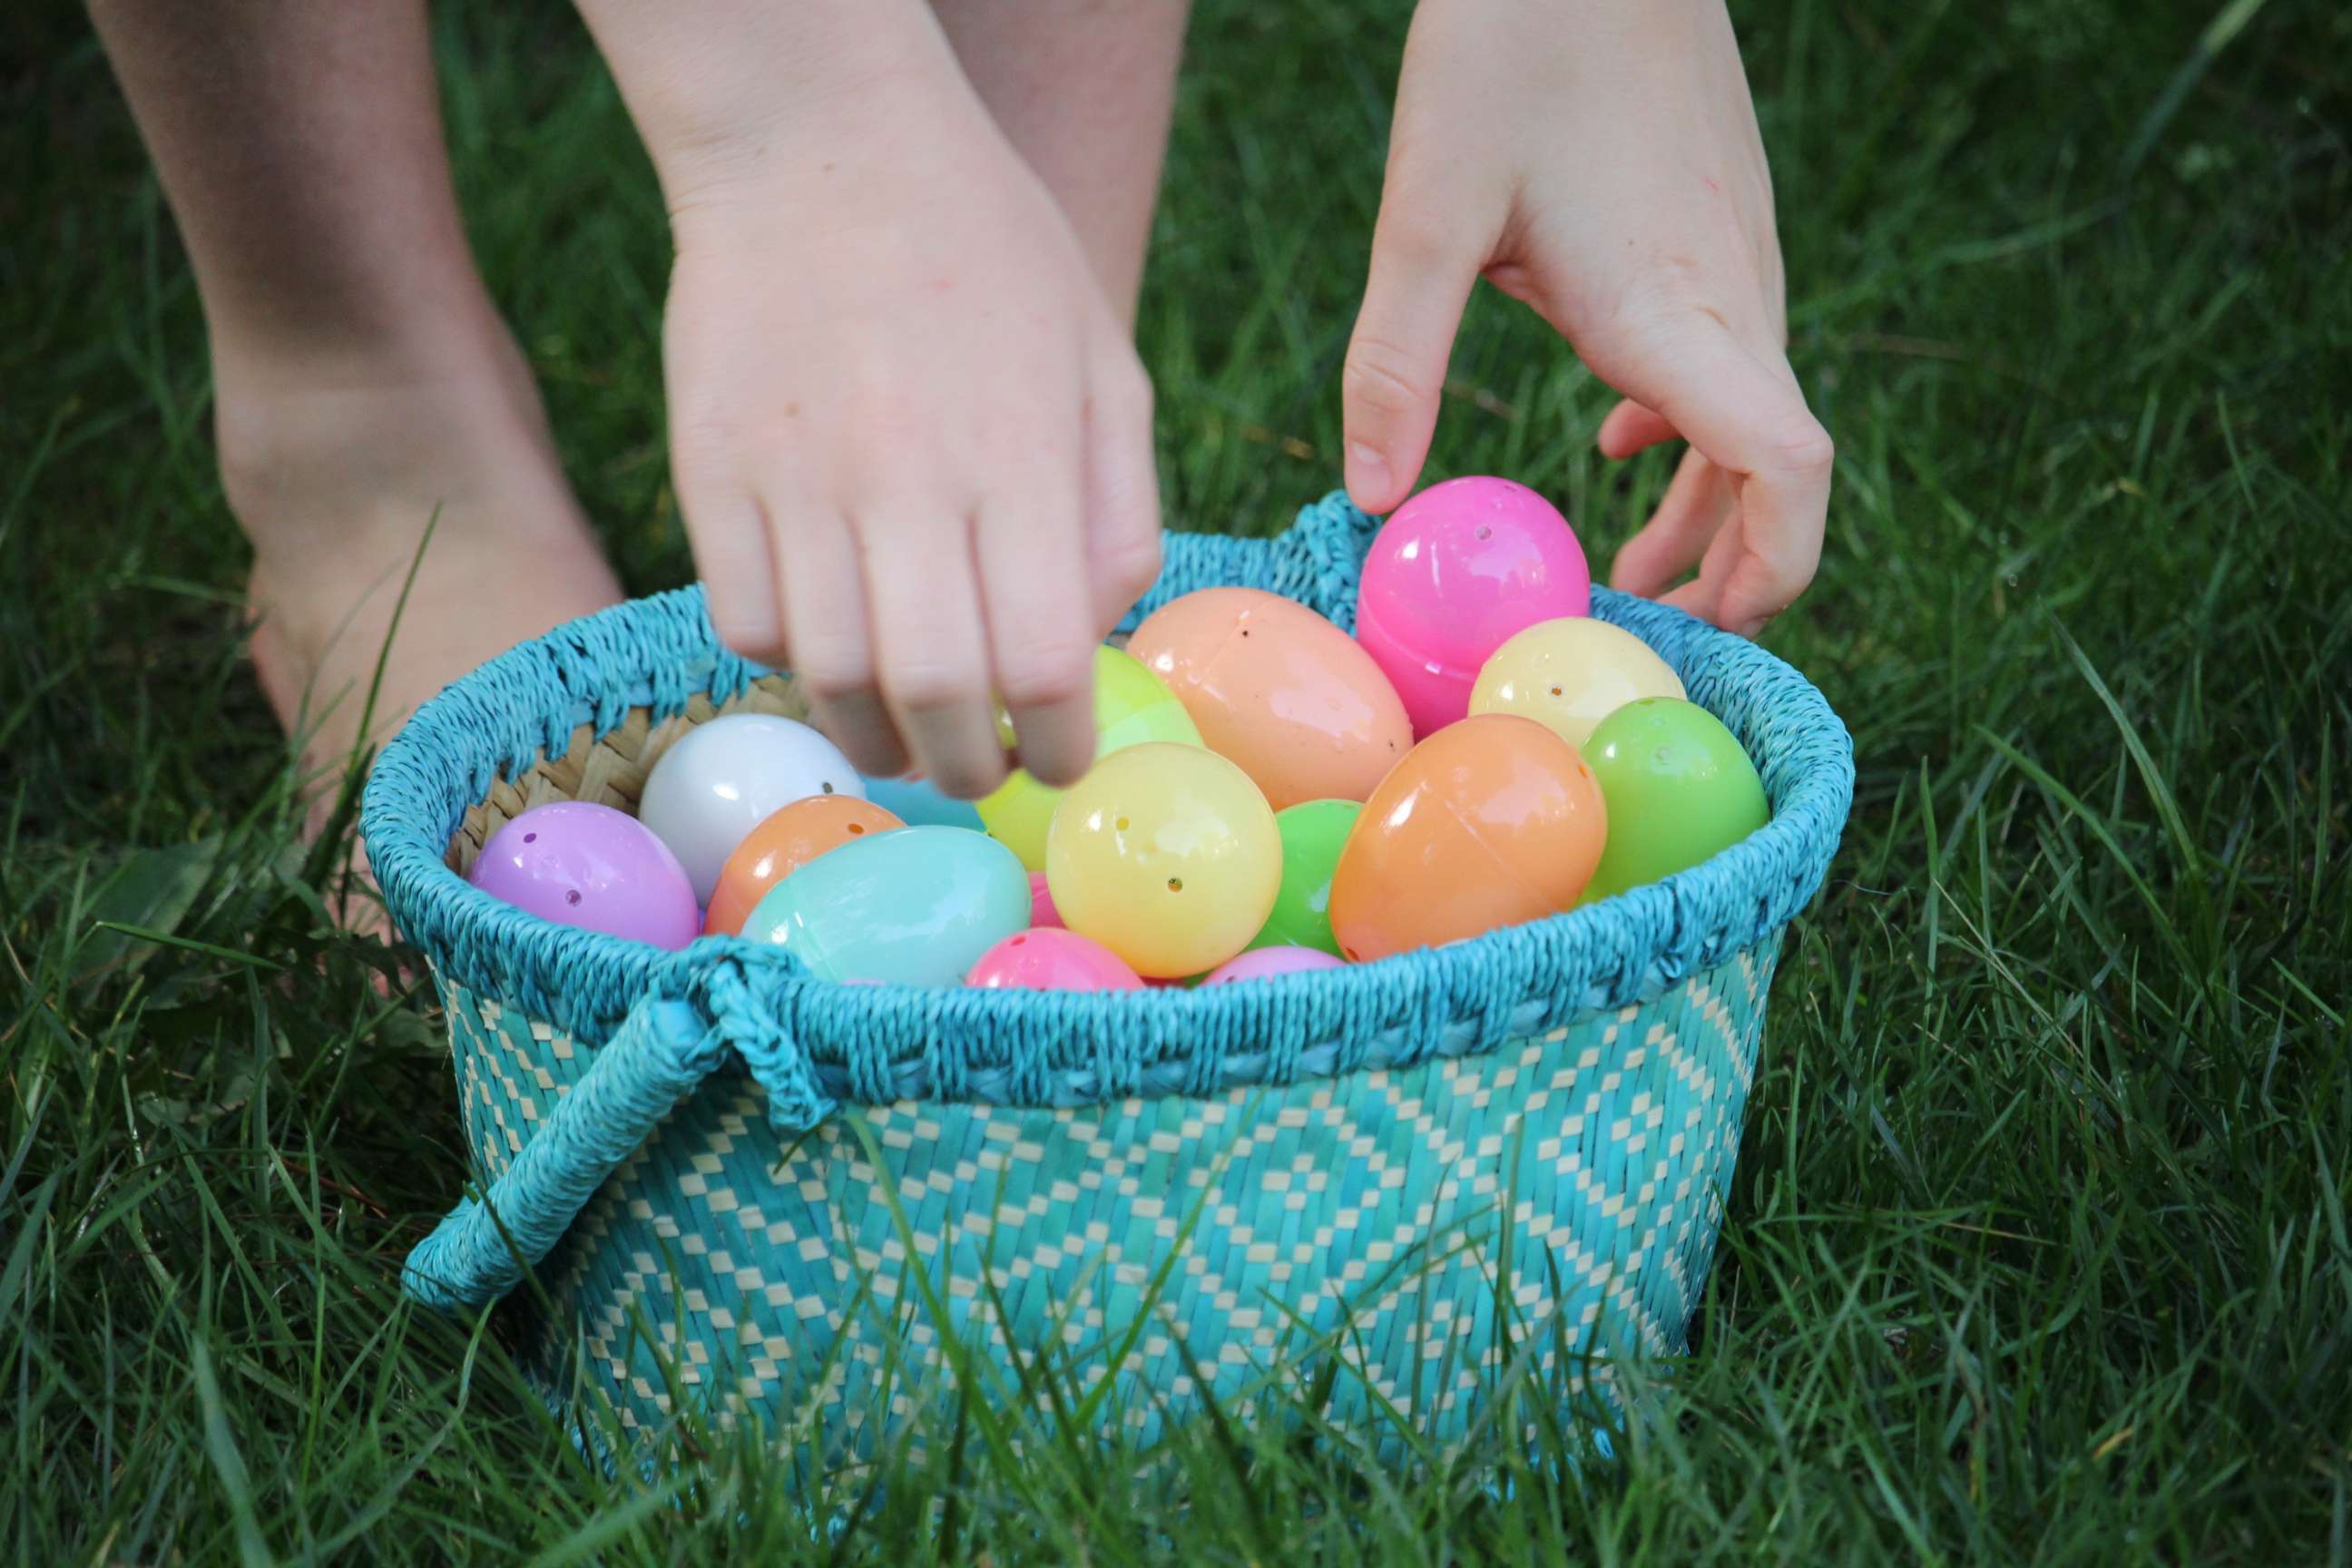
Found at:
<point>1368,475</point>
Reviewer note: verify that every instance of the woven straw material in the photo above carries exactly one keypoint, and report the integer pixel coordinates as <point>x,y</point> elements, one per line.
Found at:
<point>731,1183</point>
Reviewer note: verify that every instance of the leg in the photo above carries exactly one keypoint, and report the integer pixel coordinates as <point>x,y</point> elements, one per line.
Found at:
<point>1083,88</point>
<point>361,376</point>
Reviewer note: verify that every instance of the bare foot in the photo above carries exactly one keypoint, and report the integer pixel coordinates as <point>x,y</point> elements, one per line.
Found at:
<point>336,470</point>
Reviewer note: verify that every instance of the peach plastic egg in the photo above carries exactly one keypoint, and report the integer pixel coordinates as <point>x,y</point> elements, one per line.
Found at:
<point>787,840</point>
<point>1277,688</point>
<point>1166,854</point>
<point>1570,674</point>
<point>1490,822</point>
<point>1452,575</point>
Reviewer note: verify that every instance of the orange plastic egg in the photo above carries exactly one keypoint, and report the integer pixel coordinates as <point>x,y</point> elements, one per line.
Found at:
<point>1294,700</point>
<point>1491,821</point>
<point>786,840</point>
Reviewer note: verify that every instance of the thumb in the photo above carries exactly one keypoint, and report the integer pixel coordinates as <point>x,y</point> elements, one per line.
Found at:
<point>1423,267</point>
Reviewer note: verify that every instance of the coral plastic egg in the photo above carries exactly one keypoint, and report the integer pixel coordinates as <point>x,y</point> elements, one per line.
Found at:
<point>1279,690</point>
<point>1453,574</point>
<point>590,866</point>
<point>1312,833</point>
<point>917,906</point>
<point>1050,959</point>
<point>721,779</point>
<point>791,837</point>
<point>1490,822</point>
<point>1679,789</point>
<point>1131,707</point>
<point>1570,674</point>
<point>1265,963</point>
<point>1167,855</point>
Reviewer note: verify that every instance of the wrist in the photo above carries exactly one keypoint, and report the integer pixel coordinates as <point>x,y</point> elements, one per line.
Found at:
<point>718,88</point>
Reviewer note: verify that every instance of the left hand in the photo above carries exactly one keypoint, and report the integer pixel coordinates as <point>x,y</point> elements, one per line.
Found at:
<point>1599,160</point>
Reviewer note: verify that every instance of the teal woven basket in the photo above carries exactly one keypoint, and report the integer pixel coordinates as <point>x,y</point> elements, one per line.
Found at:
<point>739,1190</point>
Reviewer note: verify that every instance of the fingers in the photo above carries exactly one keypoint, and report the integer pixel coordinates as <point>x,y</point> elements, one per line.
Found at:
<point>1422,268</point>
<point>824,592</point>
<point>1032,568</point>
<point>1747,417</point>
<point>930,641</point>
<point>1631,428</point>
<point>1122,502</point>
<point>1690,515</point>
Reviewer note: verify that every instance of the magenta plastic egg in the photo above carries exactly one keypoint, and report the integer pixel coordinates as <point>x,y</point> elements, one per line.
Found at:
<point>1052,959</point>
<point>590,866</point>
<point>1042,912</point>
<point>1265,962</point>
<point>1453,574</point>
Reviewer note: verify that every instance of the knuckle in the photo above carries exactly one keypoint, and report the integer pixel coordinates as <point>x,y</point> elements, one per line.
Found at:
<point>831,673</point>
<point>1133,567</point>
<point>929,686</point>
<point>1045,675</point>
<point>1802,445</point>
<point>1381,376</point>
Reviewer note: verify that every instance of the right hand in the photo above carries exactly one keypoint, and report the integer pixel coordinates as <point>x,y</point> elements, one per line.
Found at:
<point>910,437</point>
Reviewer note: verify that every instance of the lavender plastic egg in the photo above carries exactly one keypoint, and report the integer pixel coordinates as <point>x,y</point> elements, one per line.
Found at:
<point>1265,962</point>
<point>592,866</point>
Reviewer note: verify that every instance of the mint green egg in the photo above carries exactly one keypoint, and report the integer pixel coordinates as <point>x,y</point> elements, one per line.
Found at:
<point>1678,788</point>
<point>915,906</point>
<point>1313,834</point>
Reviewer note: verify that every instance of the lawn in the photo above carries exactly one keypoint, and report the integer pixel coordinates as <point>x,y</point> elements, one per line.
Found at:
<point>2038,1248</point>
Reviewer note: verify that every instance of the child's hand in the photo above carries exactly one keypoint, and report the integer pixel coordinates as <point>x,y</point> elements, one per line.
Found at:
<point>1599,160</point>
<point>912,443</point>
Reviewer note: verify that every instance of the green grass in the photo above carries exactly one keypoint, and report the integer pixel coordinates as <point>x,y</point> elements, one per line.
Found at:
<point>2038,1248</point>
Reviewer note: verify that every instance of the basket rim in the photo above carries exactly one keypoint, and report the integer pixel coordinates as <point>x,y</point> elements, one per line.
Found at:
<point>878,1044</point>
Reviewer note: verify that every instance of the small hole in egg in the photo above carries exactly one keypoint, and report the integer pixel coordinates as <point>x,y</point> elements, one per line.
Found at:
<point>827,787</point>
<point>1020,941</point>
<point>530,839</point>
<point>1351,955</point>
<point>1121,825</point>
<point>1485,532</point>
<point>1555,691</point>
<point>1175,884</point>
<point>855,828</point>
<point>1245,631</point>
<point>573,896</point>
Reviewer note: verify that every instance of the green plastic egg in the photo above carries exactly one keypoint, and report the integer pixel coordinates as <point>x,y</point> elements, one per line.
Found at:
<point>1678,788</point>
<point>1313,834</point>
<point>1131,707</point>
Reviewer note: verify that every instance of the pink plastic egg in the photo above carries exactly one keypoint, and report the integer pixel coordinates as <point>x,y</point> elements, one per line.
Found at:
<point>1052,959</point>
<point>1265,962</point>
<point>1454,575</point>
<point>1043,915</point>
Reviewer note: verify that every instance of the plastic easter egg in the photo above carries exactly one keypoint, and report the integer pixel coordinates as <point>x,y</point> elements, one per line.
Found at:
<point>723,779</point>
<point>591,867</point>
<point>1312,833</point>
<point>1679,788</point>
<point>1167,854</point>
<point>1570,674</point>
<point>1279,690</point>
<point>791,837</point>
<point>1490,822</point>
<point>917,906</point>
<point>918,803</point>
<point>1052,960</point>
<point>1265,963</point>
<point>1454,575</point>
<point>1131,707</point>
<point>1042,913</point>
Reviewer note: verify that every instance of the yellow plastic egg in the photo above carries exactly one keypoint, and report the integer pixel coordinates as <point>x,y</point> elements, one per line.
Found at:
<point>1167,855</point>
<point>1131,706</point>
<point>1570,674</point>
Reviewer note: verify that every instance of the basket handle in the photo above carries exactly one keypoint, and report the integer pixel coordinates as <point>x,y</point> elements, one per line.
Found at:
<point>711,1005</point>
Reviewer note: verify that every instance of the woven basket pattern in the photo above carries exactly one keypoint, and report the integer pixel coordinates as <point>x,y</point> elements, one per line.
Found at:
<point>740,1191</point>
